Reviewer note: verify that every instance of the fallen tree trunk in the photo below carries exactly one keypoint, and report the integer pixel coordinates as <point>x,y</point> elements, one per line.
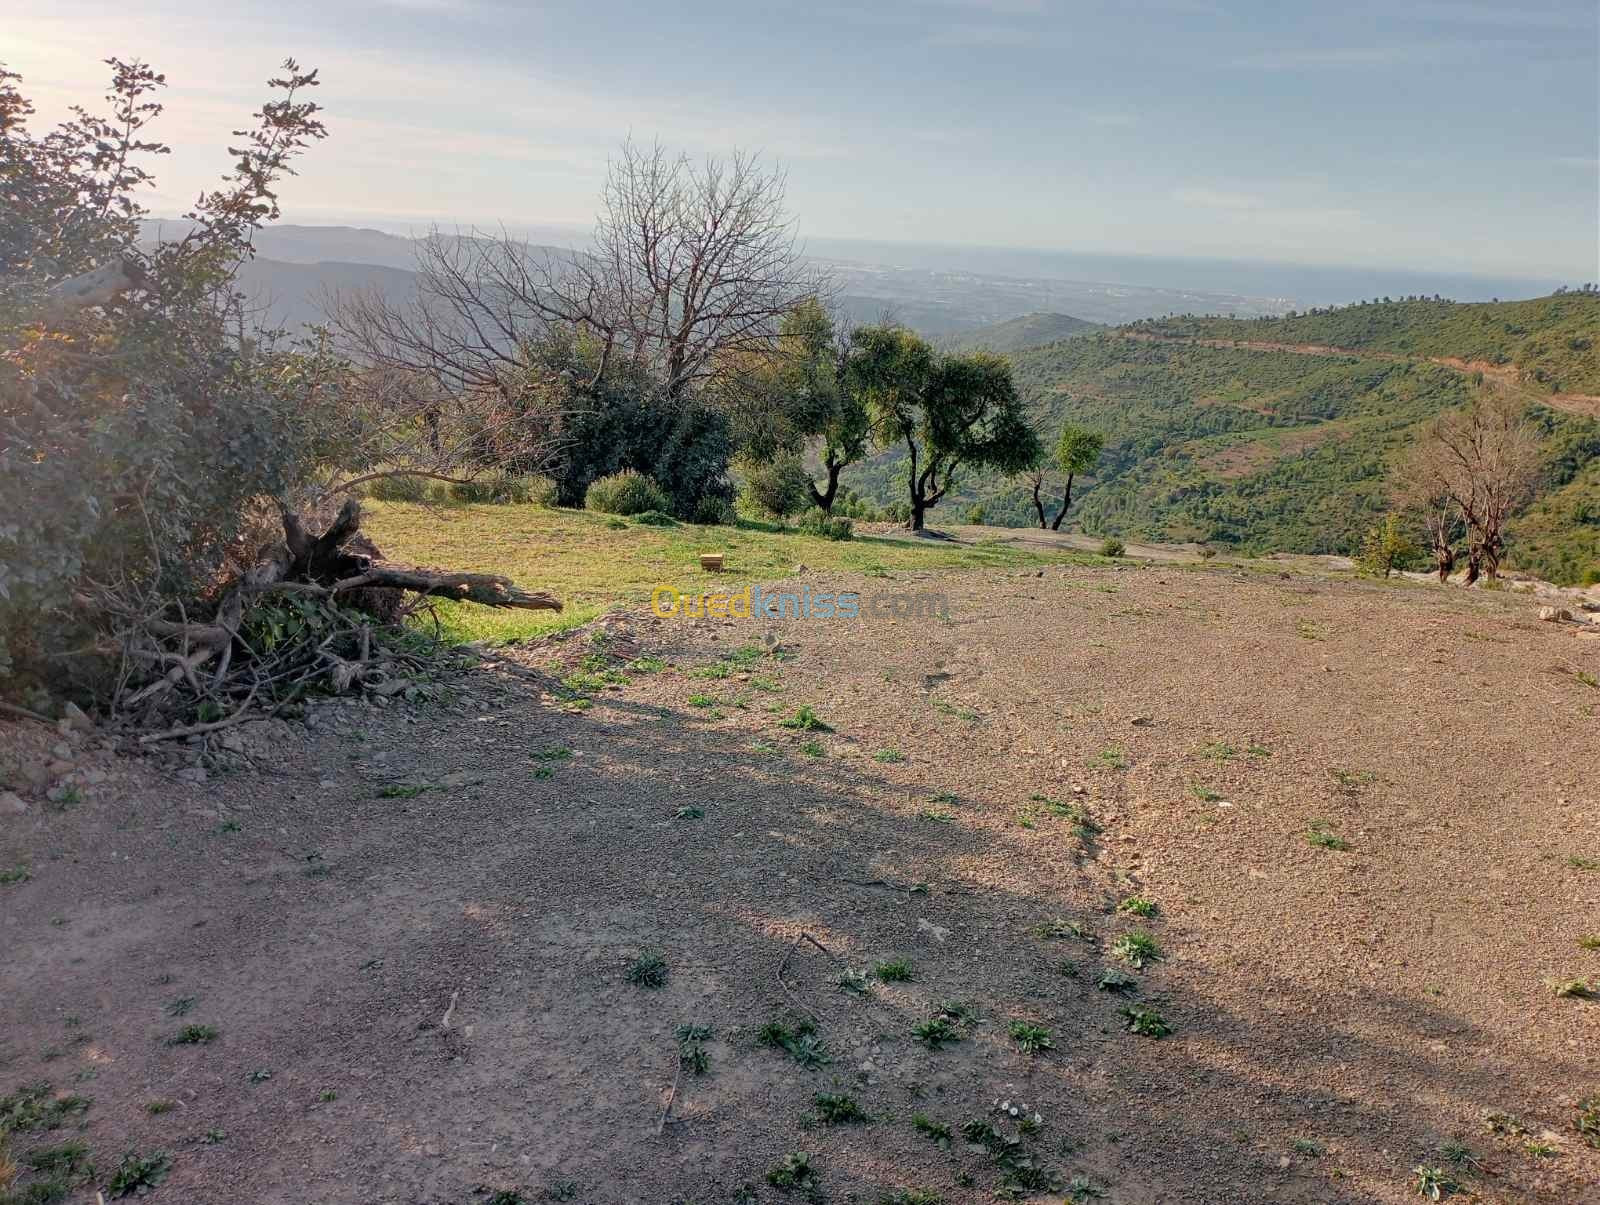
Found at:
<point>337,565</point>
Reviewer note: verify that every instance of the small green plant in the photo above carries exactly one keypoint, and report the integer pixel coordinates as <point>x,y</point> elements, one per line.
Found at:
<point>1146,1022</point>
<point>1030,1039</point>
<point>193,1035</point>
<point>689,812</point>
<point>813,749</point>
<point>33,1108</point>
<point>14,874</point>
<point>702,700</point>
<point>553,753</point>
<point>888,757</point>
<point>936,1032</point>
<point>1219,751</point>
<point>1307,1147</point>
<point>1204,793</point>
<point>1319,837</point>
<point>645,665</point>
<point>1061,929</point>
<point>1138,905</point>
<point>1433,1183</point>
<point>259,1076</point>
<point>1081,1188</point>
<point>1576,989</point>
<point>1578,862</point>
<point>647,970</point>
<point>327,1096</point>
<point>1541,1150</point>
<point>1587,1122</point>
<point>1111,758</point>
<point>402,790</point>
<point>139,1173</point>
<point>835,1109</point>
<point>856,982</point>
<point>796,1172</point>
<point>561,1190</point>
<point>911,1196</point>
<point>1113,547</point>
<point>896,970</point>
<point>805,719</point>
<point>182,1006</point>
<point>799,1040</point>
<point>1136,948</point>
<point>935,1132</point>
<point>157,1107</point>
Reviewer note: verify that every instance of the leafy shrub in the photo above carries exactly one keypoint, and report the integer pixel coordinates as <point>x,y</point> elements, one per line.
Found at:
<point>1384,547</point>
<point>151,429</point>
<point>837,527</point>
<point>625,493</point>
<point>1112,546</point>
<point>655,518</point>
<point>712,511</point>
<point>398,489</point>
<point>777,488</point>
<point>504,489</point>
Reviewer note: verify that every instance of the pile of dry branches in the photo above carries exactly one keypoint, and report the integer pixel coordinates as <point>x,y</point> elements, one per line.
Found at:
<point>315,614</point>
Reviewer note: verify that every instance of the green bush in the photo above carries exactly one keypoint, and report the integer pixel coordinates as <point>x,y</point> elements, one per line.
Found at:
<point>655,518</point>
<point>542,490</point>
<point>1384,548</point>
<point>976,515</point>
<point>398,489</point>
<point>712,511</point>
<point>1111,546</point>
<point>625,493</point>
<point>776,488</point>
<point>502,489</point>
<point>815,523</point>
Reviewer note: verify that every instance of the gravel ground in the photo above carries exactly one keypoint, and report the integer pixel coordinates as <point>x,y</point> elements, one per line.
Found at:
<point>412,929</point>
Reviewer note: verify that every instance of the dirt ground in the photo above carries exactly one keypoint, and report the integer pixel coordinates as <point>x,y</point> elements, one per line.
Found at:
<point>412,929</point>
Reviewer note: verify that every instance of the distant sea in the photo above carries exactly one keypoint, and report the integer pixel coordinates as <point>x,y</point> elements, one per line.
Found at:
<point>1301,284</point>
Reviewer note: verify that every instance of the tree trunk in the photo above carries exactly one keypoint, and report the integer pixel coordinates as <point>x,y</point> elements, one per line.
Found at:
<point>1066,501</point>
<point>919,512</point>
<point>824,498</point>
<point>1038,503</point>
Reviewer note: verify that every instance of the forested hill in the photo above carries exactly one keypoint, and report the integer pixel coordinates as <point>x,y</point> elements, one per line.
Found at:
<point>1029,330</point>
<point>1276,450</point>
<point>1552,342</point>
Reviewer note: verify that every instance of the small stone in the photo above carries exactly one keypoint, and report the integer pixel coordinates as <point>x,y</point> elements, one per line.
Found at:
<point>937,932</point>
<point>192,774</point>
<point>76,718</point>
<point>12,804</point>
<point>1554,614</point>
<point>94,778</point>
<point>62,751</point>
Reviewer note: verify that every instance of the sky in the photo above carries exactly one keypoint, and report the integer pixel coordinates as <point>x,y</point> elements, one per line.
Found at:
<point>1447,135</point>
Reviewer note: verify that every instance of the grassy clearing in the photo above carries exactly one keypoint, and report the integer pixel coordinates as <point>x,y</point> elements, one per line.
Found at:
<point>594,565</point>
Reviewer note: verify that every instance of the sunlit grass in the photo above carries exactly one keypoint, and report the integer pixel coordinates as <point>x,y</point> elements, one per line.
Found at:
<point>592,564</point>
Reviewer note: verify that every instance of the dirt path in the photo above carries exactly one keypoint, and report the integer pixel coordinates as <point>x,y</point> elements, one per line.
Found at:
<point>412,932</point>
<point>1502,376</point>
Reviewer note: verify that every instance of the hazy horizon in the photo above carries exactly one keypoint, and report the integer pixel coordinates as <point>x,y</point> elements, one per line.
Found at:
<point>1432,137</point>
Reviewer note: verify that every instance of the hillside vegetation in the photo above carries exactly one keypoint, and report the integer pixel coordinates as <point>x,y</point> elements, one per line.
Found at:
<point>1264,450</point>
<point>1029,330</point>
<point>1551,341</point>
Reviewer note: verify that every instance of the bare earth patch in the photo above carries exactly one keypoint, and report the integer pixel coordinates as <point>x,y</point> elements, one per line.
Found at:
<point>1339,837</point>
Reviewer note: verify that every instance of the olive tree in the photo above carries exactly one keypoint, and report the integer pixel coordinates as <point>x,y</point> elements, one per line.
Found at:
<point>949,412</point>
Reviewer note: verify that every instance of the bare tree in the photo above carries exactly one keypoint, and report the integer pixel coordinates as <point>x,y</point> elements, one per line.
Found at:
<point>1484,459</point>
<point>691,271</point>
<point>697,263</point>
<point>1420,495</point>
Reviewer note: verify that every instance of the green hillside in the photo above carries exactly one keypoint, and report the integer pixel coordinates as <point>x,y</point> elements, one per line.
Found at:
<point>1030,330</point>
<point>1553,342</point>
<point>1257,450</point>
